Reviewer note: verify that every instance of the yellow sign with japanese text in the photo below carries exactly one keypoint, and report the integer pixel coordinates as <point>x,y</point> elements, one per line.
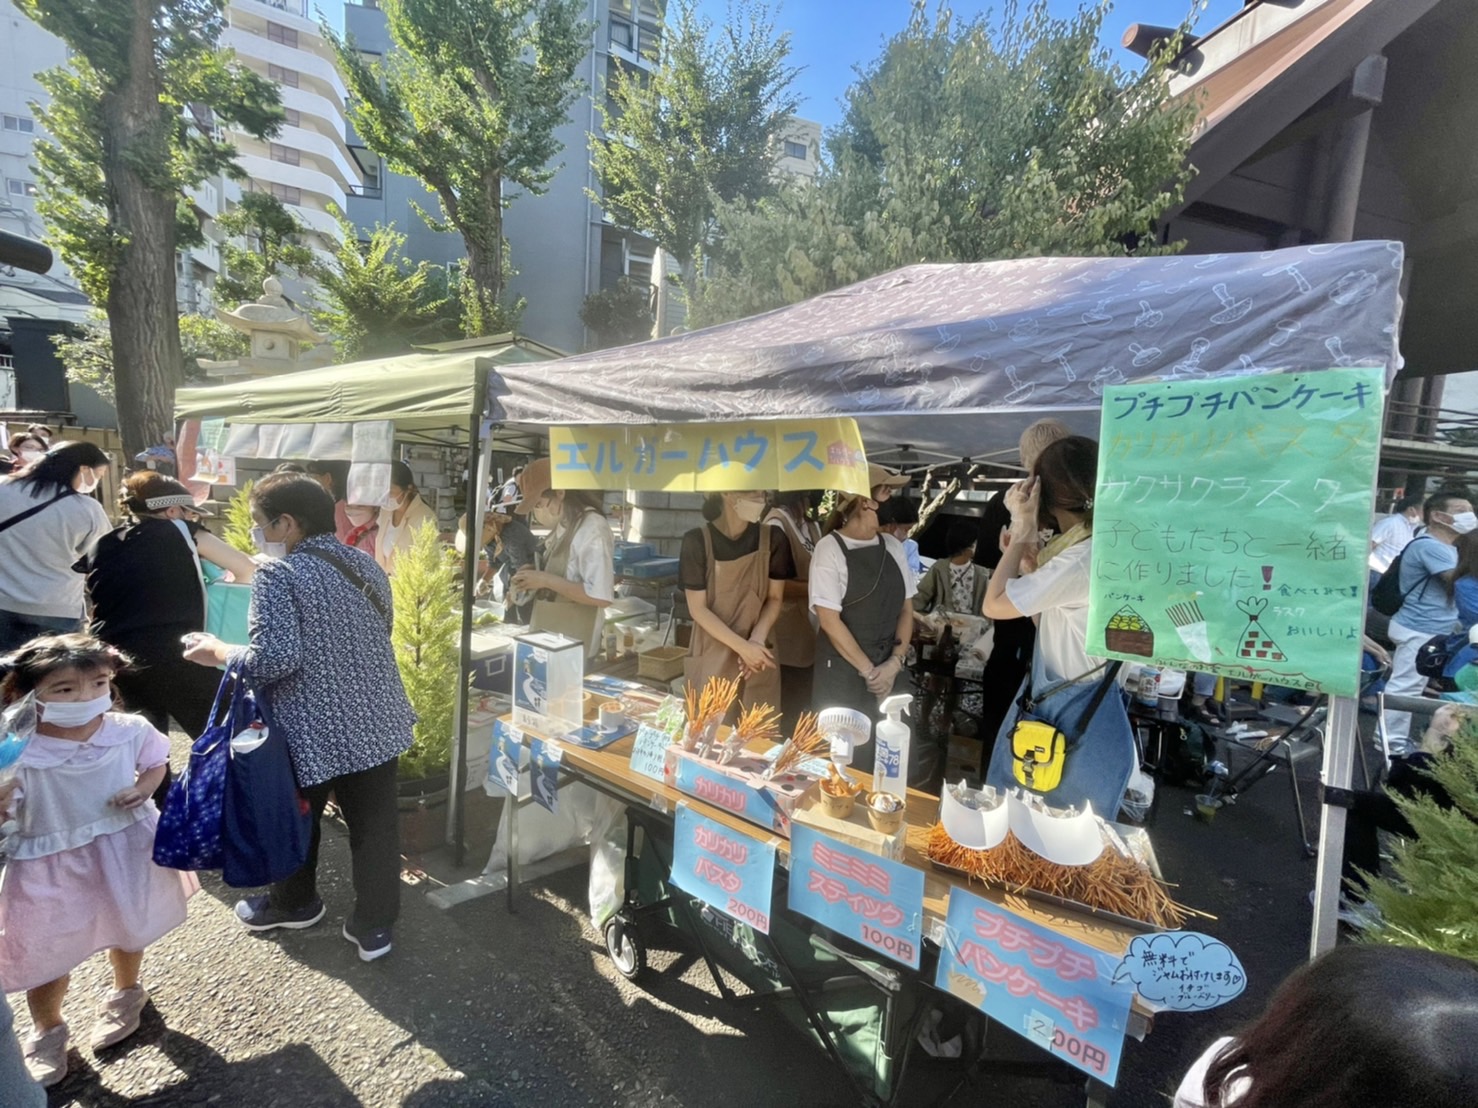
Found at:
<point>785,455</point>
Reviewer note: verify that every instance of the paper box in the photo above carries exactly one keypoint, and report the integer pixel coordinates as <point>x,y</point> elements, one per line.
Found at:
<point>856,830</point>
<point>548,677</point>
<point>738,788</point>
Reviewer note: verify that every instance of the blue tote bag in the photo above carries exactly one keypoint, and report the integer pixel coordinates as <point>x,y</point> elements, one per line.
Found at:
<point>266,825</point>
<point>189,833</point>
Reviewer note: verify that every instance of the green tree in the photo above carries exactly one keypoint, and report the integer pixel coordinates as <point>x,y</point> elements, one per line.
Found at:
<point>88,354</point>
<point>1431,900</point>
<point>132,117</point>
<point>468,100</point>
<point>376,303</point>
<point>968,140</point>
<point>263,239</point>
<point>703,128</point>
<point>620,314</point>
<point>427,619</point>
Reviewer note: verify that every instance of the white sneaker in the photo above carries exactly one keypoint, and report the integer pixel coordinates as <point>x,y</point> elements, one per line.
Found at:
<point>46,1056</point>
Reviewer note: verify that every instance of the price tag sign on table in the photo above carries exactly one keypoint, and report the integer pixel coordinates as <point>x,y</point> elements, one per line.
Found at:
<point>866,897</point>
<point>649,752</point>
<point>1052,990</point>
<point>727,870</point>
<point>1231,523</point>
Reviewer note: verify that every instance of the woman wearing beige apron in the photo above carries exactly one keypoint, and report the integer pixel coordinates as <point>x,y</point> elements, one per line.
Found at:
<point>733,572</point>
<point>795,630</point>
<point>574,576</point>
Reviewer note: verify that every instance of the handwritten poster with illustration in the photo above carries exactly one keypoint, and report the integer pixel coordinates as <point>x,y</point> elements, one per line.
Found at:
<point>1231,523</point>
<point>726,869</point>
<point>711,457</point>
<point>876,901</point>
<point>1054,991</point>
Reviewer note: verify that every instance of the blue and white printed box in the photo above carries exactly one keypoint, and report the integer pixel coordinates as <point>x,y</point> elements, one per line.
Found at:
<point>548,679</point>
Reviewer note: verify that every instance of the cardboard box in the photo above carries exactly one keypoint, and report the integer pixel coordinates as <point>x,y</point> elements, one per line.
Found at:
<point>548,679</point>
<point>855,830</point>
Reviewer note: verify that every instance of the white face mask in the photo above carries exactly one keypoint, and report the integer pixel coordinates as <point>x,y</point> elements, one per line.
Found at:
<point>73,713</point>
<point>28,456</point>
<point>271,549</point>
<point>1463,522</point>
<point>547,513</point>
<point>749,510</point>
<point>361,515</point>
<point>89,481</point>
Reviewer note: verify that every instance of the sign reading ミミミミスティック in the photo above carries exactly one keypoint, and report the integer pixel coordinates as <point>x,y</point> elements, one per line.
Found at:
<point>711,457</point>
<point>866,897</point>
<point>1050,989</point>
<point>1231,524</point>
<point>724,868</point>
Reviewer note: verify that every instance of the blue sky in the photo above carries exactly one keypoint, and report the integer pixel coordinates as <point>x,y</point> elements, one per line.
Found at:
<point>829,37</point>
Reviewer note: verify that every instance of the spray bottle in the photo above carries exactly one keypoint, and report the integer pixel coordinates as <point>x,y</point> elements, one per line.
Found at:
<point>890,747</point>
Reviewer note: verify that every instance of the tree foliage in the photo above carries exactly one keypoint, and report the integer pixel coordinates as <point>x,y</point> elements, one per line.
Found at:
<point>132,123</point>
<point>263,239</point>
<point>376,302</point>
<point>88,354</point>
<point>1432,899</point>
<point>967,140</point>
<point>427,619</point>
<point>703,128</point>
<point>620,314</point>
<point>468,101</point>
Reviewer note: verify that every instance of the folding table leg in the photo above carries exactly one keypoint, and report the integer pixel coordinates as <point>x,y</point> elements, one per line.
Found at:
<point>1097,1094</point>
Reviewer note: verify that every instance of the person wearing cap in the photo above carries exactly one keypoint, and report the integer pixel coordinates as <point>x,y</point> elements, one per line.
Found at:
<point>145,581</point>
<point>512,546</point>
<point>884,482</point>
<point>574,576</point>
<point>861,590</point>
<point>402,517</point>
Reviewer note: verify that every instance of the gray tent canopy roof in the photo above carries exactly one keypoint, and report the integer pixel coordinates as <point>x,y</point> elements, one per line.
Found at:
<point>957,359</point>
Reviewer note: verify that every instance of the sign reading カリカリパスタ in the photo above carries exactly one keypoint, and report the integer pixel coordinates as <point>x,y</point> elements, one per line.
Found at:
<point>1231,523</point>
<point>788,455</point>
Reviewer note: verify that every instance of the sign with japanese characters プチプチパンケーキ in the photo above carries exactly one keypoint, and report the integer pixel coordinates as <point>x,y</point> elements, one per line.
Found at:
<point>788,455</point>
<point>1231,523</point>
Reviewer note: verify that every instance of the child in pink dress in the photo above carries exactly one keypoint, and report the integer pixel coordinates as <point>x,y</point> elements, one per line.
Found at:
<point>81,876</point>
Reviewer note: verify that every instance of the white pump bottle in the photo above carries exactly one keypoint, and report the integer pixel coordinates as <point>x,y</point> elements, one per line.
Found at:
<point>890,747</point>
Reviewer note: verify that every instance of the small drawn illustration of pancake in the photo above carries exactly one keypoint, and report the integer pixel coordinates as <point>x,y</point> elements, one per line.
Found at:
<point>1128,633</point>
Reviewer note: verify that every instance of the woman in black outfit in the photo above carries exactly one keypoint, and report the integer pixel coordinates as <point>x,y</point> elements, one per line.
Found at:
<point>145,583</point>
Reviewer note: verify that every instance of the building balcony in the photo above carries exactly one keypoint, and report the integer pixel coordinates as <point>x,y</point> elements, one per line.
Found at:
<point>306,62</point>
<point>306,178</point>
<point>296,14</point>
<point>332,157</point>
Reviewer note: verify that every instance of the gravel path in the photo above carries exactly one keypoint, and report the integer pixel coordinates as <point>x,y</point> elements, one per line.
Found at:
<point>479,1007</point>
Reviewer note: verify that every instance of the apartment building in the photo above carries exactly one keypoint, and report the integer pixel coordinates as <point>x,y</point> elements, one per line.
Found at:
<point>799,154</point>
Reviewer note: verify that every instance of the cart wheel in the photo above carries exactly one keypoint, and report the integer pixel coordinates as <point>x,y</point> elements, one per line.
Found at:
<point>625,946</point>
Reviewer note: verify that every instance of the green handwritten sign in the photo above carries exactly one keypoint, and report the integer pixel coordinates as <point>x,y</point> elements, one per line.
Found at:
<point>1231,523</point>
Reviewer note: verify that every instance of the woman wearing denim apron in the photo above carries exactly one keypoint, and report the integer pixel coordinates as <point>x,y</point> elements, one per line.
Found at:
<point>1055,594</point>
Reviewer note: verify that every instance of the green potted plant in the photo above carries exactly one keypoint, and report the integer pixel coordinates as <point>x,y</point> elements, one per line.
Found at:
<point>425,638</point>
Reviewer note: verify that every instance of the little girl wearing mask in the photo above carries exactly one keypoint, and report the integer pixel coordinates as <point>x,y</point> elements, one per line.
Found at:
<point>81,877</point>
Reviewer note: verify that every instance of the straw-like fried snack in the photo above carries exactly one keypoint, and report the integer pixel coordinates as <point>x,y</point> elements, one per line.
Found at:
<point>757,722</point>
<point>1111,883</point>
<point>807,741</point>
<point>710,704</point>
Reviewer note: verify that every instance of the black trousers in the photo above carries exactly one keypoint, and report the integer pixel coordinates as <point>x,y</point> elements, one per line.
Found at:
<point>165,688</point>
<point>368,802</point>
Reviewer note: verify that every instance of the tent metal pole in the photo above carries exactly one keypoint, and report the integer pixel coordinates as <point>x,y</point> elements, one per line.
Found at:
<point>478,461</point>
<point>1339,761</point>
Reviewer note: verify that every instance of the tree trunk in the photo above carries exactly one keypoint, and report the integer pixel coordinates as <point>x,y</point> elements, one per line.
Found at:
<point>143,314</point>
<point>485,262</point>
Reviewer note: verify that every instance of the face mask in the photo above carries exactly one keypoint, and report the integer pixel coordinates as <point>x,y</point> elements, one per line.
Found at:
<point>547,514</point>
<point>750,511</point>
<point>1463,522</point>
<point>89,482</point>
<point>271,549</point>
<point>360,516</point>
<point>29,456</point>
<point>73,713</point>
<point>393,502</point>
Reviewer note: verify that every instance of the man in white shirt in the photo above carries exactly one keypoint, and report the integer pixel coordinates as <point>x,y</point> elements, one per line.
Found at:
<point>1391,533</point>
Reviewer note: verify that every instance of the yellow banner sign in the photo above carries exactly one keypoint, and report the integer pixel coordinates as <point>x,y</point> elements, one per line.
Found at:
<point>711,457</point>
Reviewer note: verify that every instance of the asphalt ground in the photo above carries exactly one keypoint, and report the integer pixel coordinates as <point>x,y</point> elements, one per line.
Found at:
<point>477,1006</point>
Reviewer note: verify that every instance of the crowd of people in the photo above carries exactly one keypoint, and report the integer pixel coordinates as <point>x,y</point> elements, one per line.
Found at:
<point>808,598</point>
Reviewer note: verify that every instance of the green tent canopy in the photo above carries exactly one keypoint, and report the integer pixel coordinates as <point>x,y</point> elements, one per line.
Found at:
<point>419,392</point>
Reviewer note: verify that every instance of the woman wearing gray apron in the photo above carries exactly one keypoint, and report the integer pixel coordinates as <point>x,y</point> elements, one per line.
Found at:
<point>733,572</point>
<point>573,579</point>
<point>861,591</point>
<point>795,630</point>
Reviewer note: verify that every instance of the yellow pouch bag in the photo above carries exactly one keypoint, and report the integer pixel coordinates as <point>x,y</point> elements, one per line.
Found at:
<point>1038,755</point>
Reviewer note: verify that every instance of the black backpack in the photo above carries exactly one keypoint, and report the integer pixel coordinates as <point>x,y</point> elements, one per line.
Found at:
<point>1387,597</point>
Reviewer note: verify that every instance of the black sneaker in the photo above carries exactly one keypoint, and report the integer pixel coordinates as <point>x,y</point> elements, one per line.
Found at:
<point>257,914</point>
<point>372,944</point>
